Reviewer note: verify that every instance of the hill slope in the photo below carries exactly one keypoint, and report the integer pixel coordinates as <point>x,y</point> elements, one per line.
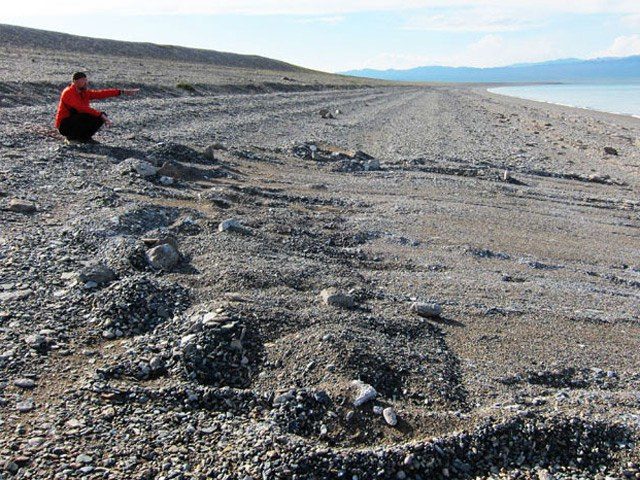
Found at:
<point>22,37</point>
<point>36,64</point>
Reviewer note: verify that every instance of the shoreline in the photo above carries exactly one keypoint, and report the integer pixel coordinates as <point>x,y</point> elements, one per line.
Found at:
<point>492,90</point>
<point>630,120</point>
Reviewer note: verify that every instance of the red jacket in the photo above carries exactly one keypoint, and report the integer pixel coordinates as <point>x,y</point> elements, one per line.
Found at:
<point>72,98</point>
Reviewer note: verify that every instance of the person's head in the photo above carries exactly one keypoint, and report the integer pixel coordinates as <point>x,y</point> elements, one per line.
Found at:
<point>80,80</point>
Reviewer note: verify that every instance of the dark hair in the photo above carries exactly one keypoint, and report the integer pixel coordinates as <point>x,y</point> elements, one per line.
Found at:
<point>79,75</point>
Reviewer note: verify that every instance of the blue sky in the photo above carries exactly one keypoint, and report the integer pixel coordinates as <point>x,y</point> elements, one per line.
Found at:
<point>334,35</point>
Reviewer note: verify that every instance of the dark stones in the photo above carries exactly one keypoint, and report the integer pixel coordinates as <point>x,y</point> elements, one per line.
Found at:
<point>610,151</point>
<point>18,205</point>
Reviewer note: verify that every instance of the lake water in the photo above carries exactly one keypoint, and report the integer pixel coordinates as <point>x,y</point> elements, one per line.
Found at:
<point>622,99</point>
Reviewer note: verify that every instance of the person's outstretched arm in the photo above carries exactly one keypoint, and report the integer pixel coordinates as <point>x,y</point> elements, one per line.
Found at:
<point>111,92</point>
<point>106,93</point>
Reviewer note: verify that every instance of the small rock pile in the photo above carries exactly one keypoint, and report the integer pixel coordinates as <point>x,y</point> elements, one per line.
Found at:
<point>345,160</point>
<point>217,351</point>
<point>303,412</point>
<point>136,304</point>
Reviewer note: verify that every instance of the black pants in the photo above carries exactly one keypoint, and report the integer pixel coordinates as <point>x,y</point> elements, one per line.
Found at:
<point>80,126</point>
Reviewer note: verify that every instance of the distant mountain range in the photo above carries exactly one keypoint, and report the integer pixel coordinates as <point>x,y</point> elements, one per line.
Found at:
<point>570,70</point>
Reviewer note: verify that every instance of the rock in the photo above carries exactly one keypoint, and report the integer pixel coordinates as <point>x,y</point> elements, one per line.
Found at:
<point>165,180</point>
<point>326,113</point>
<point>21,206</point>
<point>37,342</point>
<point>98,273</point>
<point>141,167</point>
<point>108,334</point>
<point>211,149</point>
<point>232,225</point>
<point>390,416</point>
<point>365,393</point>
<point>74,423</point>
<point>317,186</point>
<point>598,178</point>
<point>371,165</point>
<point>25,405</point>
<point>159,237</point>
<point>377,409</point>
<point>14,295</point>
<point>12,467</point>
<point>177,170</point>
<point>544,475</point>
<point>322,397</point>
<point>163,257</point>
<point>427,310</point>
<point>157,364</point>
<point>25,383</point>
<point>335,298</point>
<point>84,458</point>
<point>610,151</point>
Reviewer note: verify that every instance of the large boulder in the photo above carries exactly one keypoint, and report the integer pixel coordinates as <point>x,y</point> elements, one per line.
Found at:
<point>163,257</point>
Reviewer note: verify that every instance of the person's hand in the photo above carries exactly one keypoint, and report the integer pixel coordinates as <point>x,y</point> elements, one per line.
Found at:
<point>130,91</point>
<point>107,122</point>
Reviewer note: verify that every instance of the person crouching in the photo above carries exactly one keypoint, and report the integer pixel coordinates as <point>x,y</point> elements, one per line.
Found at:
<point>75,119</point>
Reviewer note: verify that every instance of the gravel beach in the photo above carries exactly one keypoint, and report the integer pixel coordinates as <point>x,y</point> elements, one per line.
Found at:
<point>337,280</point>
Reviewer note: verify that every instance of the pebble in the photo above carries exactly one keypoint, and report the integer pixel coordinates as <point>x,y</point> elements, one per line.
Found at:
<point>21,206</point>
<point>25,383</point>
<point>97,273</point>
<point>232,225</point>
<point>141,167</point>
<point>610,151</point>
<point>36,341</point>
<point>364,394</point>
<point>336,298</point>
<point>390,416</point>
<point>427,310</point>
<point>25,406</point>
<point>84,458</point>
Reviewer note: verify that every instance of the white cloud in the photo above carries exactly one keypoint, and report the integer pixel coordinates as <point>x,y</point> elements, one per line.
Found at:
<point>489,51</point>
<point>623,46</point>
<point>488,19</point>
<point>300,7</point>
<point>631,21</point>
<point>328,20</point>
<point>495,50</point>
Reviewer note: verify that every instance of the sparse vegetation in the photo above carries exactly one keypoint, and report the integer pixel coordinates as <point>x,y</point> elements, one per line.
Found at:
<point>186,86</point>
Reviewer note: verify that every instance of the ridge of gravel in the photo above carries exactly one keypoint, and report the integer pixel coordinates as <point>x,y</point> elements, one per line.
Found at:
<point>383,282</point>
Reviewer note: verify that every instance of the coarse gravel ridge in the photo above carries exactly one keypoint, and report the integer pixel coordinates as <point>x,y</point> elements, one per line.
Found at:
<point>229,364</point>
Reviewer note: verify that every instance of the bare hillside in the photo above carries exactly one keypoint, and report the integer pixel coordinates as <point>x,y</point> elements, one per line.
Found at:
<point>12,36</point>
<point>35,65</point>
